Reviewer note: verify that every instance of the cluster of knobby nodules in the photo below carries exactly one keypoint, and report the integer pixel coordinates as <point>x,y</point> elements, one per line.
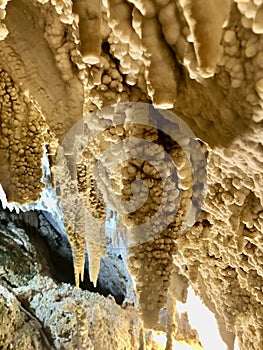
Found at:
<point>151,259</point>
<point>22,132</point>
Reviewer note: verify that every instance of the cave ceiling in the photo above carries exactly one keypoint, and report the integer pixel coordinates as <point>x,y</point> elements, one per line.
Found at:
<point>62,60</point>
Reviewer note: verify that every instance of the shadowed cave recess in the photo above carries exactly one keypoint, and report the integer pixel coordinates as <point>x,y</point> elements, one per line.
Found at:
<point>113,112</point>
<point>55,249</point>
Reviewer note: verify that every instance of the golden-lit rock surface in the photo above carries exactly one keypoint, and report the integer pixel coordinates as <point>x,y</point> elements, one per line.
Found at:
<point>203,60</point>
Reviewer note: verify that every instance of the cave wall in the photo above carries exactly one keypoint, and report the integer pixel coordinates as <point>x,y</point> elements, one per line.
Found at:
<point>202,61</point>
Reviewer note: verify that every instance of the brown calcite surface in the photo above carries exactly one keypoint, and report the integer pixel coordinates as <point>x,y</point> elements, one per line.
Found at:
<point>63,60</point>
